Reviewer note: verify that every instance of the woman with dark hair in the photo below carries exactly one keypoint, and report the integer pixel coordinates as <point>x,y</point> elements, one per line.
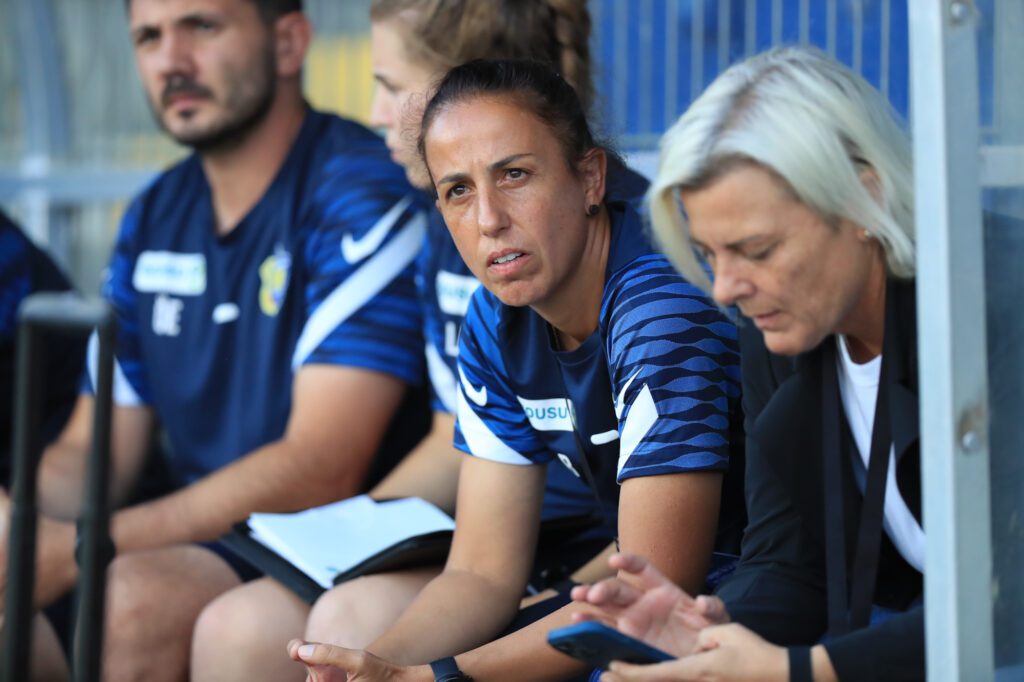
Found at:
<point>583,345</point>
<point>413,44</point>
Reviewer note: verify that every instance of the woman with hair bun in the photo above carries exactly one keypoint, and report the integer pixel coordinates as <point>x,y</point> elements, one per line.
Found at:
<point>414,43</point>
<point>583,346</point>
<point>792,178</point>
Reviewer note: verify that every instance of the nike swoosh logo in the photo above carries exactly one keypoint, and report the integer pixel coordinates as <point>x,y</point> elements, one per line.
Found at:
<point>620,404</point>
<point>477,395</point>
<point>355,250</point>
<point>604,437</point>
<point>226,312</point>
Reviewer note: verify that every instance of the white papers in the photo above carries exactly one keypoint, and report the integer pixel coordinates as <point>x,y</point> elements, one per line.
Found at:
<point>325,541</point>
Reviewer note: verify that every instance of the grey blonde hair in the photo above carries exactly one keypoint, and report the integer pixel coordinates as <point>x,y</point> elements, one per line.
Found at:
<point>811,121</point>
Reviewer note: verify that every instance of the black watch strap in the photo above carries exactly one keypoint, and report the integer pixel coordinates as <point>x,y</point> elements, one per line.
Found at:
<point>800,664</point>
<point>447,670</point>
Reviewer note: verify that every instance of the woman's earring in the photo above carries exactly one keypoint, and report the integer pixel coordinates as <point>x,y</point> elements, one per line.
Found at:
<point>865,234</point>
<point>592,210</point>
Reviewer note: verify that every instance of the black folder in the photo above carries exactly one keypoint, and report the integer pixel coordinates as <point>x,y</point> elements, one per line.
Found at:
<point>416,550</point>
<point>419,550</point>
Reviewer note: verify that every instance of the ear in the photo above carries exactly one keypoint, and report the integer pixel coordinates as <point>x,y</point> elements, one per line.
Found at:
<point>873,184</point>
<point>292,36</point>
<point>592,169</point>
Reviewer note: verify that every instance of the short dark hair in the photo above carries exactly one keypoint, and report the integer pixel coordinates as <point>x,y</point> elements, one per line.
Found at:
<point>269,10</point>
<point>533,85</point>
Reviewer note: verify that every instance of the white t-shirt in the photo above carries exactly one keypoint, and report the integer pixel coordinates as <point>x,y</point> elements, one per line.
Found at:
<point>858,385</point>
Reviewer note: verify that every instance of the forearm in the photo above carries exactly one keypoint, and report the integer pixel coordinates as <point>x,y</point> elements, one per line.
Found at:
<point>62,470</point>
<point>590,572</point>
<point>457,611</point>
<point>821,665</point>
<point>280,477</point>
<point>524,654</point>
<point>430,471</point>
<point>62,481</point>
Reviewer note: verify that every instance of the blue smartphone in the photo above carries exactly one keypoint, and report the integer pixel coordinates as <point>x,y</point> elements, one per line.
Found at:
<point>597,645</point>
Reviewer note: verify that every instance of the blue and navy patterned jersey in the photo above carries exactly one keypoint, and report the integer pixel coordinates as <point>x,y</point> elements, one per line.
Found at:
<point>445,286</point>
<point>213,328</point>
<point>24,270</point>
<point>654,390</point>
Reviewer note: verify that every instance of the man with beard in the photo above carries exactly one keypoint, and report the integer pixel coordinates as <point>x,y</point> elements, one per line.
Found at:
<point>267,321</point>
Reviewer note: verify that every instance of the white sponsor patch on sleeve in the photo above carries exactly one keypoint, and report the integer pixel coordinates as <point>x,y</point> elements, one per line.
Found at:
<point>550,414</point>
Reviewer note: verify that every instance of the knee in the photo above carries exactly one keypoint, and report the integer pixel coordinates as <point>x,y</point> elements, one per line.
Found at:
<point>132,596</point>
<point>231,622</point>
<point>350,615</point>
<point>149,593</point>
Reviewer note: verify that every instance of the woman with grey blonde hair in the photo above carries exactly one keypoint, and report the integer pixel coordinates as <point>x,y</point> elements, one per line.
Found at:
<point>791,178</point>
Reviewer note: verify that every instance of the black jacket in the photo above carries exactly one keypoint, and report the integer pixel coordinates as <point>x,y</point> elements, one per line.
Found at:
<point>779,588</point>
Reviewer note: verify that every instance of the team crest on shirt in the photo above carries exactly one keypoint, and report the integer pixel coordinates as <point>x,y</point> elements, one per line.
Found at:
<point>274,281</point>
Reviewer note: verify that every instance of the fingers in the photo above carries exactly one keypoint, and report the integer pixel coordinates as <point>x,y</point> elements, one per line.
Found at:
<point>312,653</point>
<point>610,592</point>
<point>712,608</point>
<point>635,565</point>
<point>596,616</point>
<point>293,649</point>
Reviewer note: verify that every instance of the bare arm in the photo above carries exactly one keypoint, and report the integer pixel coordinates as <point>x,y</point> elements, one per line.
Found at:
<point>671,519</point>
<point>338,417</point>
<point>62,470</point>
<point>430,471</point>
<point>478,592</point>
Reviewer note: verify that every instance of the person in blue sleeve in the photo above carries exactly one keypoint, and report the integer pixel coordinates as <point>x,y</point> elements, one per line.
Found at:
<point>268,320</point>
<point>25,269</point>
<point>583,346</point>
<point>414,43</point>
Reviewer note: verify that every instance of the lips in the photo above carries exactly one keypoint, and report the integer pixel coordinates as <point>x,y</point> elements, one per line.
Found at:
<point>181,90</point>
<point>506,261</point>
<point>507,258</point>
<point>766,321</point>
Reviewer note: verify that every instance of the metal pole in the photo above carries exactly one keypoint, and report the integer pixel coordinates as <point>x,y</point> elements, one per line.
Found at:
<point>40,314</point>
<point>21,548</point>
<point>951,341</point>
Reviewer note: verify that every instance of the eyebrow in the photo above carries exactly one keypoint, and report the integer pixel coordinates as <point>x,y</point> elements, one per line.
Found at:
<point>497,165</point>
<point>190,18</point>
<point>736,245</point>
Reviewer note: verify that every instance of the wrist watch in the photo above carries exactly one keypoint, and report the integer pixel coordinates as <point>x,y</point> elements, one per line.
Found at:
<point>447,670</point>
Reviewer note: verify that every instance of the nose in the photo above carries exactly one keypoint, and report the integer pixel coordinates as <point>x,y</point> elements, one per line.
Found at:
<point>491,215</point>
<point>174,55</point>
<point>730,285</point>
<point>380,109</point>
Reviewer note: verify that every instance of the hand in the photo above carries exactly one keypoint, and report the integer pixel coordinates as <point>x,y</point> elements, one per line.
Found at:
<point>327,663</point>
<point>725,652</point>
<point>56,570</point>
<point>649,606</point>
